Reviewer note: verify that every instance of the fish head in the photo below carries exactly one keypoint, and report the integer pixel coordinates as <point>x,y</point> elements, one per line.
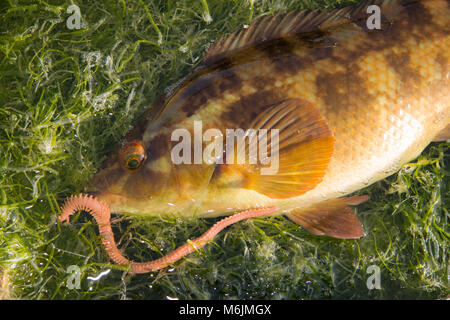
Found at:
<point>140,176</point>
<point>127,180</point>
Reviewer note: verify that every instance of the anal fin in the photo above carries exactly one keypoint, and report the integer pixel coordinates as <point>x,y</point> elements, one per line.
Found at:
<point>334,218</point>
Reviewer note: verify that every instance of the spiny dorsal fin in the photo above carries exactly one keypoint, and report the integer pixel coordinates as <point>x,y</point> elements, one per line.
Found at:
<point>283,25</point>
<point>334,218</point>
<point>304,146</point>
<point>266,29</point>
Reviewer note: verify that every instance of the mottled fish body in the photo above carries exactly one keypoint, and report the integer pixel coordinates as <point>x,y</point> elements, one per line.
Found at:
<point>351,104</point>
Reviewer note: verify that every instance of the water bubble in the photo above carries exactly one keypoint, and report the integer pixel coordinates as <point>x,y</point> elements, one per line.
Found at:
<point>207,17</point>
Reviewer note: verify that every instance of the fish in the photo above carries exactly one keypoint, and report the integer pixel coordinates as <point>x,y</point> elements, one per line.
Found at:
<point>348,96</point>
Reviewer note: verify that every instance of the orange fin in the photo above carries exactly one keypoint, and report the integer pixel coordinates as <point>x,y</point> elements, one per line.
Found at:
<point>443,135</point>
<point>283,25</point>
<point>333,218</point>
<point>304,143</point>
<point>269,28</point>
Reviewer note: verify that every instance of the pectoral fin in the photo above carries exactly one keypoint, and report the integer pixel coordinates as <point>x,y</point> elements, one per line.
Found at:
<point>334,218</point>
<point>302,150</point>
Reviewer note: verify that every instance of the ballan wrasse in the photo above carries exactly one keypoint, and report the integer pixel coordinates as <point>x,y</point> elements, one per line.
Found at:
<point>350,104</point>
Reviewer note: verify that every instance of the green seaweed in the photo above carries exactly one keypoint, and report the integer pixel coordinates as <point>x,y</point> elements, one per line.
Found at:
<point>68,95</point>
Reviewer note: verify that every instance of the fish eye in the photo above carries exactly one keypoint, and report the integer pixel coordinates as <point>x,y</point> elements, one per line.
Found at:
<point>132,155</point>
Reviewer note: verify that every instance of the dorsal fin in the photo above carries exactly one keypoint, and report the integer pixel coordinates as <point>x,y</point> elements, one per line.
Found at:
<point>266,29</point>
<point>283,25</point>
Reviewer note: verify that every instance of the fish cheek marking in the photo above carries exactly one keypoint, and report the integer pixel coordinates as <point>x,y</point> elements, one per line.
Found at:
<point>106,178</point>
<point>145,183</point>
<point>158,147</point>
